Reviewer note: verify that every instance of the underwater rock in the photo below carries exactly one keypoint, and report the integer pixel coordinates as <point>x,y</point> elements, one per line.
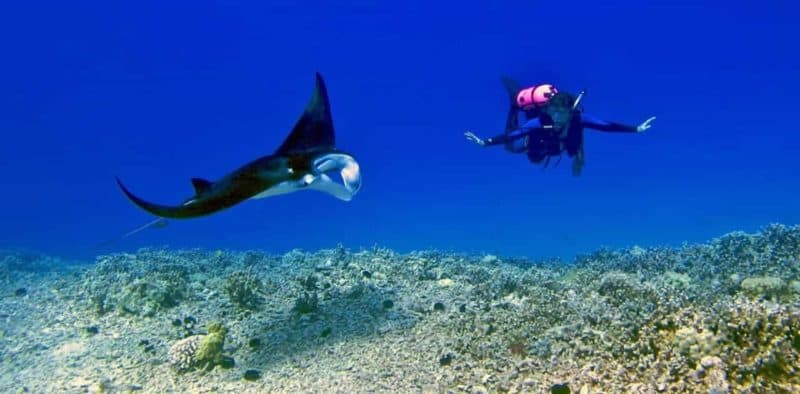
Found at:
<point>559,388</point>
<point>254,343</point>
<point>146,298</point>
<point>306,303</point>
<point>325,266</point>
<point>227,362</point>
<point>143,284</point>
<point>244,290</point>
<point>711,372</point>
<point>29,262</point>
<point>325,332</point>
<point>252,375</point>
<point>541,348</point>
<point>694,344</point>
<point>637,251</point>
<point>619,287</point>
<point>763,287</point>
<point>147,346</point>
<point>489,259</point>
<point>677,280</point>
<point>446,360</point>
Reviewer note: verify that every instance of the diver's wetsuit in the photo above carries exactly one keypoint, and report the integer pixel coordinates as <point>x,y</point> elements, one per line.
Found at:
<point>540,141</point>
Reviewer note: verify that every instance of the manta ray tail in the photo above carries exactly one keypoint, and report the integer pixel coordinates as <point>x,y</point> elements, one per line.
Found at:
<point>164,211</point>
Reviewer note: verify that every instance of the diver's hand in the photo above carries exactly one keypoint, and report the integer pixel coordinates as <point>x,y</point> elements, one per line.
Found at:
<point>474,138</point>
<point>645,125</point>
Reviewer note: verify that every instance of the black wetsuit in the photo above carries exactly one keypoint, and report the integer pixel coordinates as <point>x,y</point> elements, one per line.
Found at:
<point>540,139</point>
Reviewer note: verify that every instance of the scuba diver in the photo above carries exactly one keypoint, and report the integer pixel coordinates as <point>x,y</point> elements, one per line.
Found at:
<point>544,122</point>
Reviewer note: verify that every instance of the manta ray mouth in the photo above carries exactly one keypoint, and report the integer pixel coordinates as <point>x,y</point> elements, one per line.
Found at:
<point>342,166</point>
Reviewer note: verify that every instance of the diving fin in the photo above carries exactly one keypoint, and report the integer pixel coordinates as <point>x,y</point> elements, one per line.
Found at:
<point>546,162</point>
<point>512,88</point>
<point>577,163</point>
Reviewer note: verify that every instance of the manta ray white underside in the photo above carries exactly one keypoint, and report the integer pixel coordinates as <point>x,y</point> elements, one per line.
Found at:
<point>342,167</point>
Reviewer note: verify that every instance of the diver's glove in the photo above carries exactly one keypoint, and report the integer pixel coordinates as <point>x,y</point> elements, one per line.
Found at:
<point>474,138</point>
<point>645,125</point>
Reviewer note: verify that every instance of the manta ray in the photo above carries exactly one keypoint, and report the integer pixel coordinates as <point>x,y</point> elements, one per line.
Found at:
<point>306,160</point>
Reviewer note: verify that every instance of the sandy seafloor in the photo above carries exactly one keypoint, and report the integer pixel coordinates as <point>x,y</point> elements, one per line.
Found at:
<point>709,318</point>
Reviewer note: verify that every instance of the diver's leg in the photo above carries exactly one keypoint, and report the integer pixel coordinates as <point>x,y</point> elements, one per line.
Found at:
<point>578,162</point>
<point>574,141</point>
<point>532,123</point>
<point>536,148</point>
<point>518,145</point>
<point>512,119</point>
<point>531,129</point>
<point>516,141</point>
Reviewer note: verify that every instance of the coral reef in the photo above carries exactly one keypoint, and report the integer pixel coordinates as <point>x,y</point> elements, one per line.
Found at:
<point>203,351</point>
<point>716,317</point>
<point>244,290</point>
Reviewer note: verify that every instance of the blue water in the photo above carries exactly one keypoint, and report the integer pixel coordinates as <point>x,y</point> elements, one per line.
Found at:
<point>159,92</point>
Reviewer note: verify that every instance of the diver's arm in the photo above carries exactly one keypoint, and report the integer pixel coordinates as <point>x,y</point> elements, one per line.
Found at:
<point>602,125</point>
<point>498,139</point>
<point>597,124</point>
<point>527,128</point>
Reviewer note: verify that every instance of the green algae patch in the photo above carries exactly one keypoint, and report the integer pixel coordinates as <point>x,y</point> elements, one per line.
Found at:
<point>763,287</point>
<point>209,352</point>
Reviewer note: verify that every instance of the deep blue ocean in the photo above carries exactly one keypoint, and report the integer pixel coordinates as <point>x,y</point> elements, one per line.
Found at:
<point>160,92</point>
